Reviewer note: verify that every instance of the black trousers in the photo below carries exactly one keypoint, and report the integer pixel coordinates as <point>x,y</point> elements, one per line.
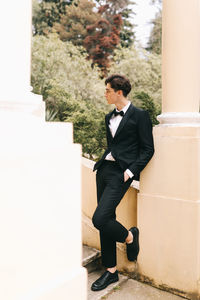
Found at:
<point>110,190</point>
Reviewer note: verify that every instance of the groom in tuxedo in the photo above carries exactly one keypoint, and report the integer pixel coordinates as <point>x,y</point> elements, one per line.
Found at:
<point>129,149</point>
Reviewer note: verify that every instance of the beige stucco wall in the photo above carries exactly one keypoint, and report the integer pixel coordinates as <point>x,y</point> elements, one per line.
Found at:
<point>169,199</point>
<point>126,213</point>
<point>169,212</point>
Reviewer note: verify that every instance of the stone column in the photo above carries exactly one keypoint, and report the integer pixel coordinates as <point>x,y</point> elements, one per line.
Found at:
<point>168,202</point>
<point>180,62</point>
<point>180,56</point>
<point>15,57</point>
<point>40,180</point>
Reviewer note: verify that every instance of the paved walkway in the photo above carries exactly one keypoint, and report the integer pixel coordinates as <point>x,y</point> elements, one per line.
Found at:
<point>134,290</point>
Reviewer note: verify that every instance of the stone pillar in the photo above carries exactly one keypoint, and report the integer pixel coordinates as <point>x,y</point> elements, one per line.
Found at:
<point>40,176</point>
<point>168,202</point>
<point>15,57</point>
<point>180,62</point>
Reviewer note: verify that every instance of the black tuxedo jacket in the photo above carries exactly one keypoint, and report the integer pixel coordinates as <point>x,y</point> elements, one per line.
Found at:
<point>132,146</point>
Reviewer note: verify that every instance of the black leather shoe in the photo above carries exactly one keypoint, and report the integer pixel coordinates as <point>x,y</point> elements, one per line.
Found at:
<point>133,248</point>
<point>103,281</point>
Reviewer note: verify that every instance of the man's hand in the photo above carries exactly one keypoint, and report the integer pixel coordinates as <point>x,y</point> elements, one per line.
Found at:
<point>126,176</point>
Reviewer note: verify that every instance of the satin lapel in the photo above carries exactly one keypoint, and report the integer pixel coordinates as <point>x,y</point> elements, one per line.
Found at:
<point>107,124</point>
<point>124,120</point>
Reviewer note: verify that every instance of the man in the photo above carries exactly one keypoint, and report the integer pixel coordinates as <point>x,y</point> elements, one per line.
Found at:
<point>129,149</point>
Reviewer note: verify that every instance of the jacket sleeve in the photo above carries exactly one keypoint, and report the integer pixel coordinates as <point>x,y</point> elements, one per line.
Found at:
<point>146,146</point>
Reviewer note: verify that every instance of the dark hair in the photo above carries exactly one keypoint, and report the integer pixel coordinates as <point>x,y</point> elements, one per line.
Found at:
<point>119,82</point>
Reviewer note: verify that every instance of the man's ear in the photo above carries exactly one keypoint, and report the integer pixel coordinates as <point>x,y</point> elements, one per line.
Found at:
<point>119,93</point>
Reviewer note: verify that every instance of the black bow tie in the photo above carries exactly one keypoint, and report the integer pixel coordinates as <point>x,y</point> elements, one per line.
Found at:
<point>116,113</point>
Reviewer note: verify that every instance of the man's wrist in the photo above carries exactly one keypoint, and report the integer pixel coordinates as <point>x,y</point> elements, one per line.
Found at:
<point>130,174</point>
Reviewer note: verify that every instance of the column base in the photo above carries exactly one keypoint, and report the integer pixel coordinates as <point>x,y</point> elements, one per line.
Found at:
<point>179,119</point>
<point>169,209</point>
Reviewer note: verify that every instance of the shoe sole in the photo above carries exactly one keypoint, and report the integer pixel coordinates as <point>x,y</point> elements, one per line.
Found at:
<point>104,286</point>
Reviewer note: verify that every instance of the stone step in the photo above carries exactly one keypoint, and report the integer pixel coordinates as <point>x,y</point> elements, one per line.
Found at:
<point>125,288</point>
<point>91,259</point>
<point>112,288</point>
<point>132,289</point>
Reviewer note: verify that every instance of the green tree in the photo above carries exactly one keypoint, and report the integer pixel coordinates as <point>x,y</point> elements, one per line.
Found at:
<point>90,132</point>
<point>121,7</point>
<point>73,24</point>
<point>155,39</point>
<point>142,68</point>
<point>46,13</point>
<point>73,91</point>
<point>127,34</point>
<point>88,121</point>
<point>61,63</point>
<point>147,103</point>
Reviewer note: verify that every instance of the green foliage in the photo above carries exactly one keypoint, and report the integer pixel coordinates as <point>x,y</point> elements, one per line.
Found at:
<point>127,35</point>
<point>88,120</point>
<point>72,25</point>
<point>116,288</point>
<point>73,91</point>
<point>98,27</point>
<point>155,39</point>
<point>50,115</point>
<point>89,130</point>
<point>143,70</point>
<point>147,103</point>
<point>47,13</point>
<point>57,63</point>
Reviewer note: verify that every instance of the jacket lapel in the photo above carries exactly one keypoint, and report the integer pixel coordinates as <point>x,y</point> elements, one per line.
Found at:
<point>124,120</point>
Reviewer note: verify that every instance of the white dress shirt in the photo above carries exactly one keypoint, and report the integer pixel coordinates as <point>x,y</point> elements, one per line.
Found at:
<point>114,123</point>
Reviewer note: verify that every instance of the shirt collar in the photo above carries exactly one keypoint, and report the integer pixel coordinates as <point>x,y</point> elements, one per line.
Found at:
<point>125,107</point>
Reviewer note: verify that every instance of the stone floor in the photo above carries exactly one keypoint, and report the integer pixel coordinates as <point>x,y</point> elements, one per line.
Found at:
<point>125,289</point>
<point>134,290</point>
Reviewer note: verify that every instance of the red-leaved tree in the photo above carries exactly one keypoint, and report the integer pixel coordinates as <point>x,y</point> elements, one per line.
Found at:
<point>103,37</point>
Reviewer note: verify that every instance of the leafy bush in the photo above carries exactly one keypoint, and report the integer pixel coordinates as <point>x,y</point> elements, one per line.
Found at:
<point>74,92</point>
<point>143,70</point>
<point>147,103</point>
<point>57,63</point>
<point>88,120</point>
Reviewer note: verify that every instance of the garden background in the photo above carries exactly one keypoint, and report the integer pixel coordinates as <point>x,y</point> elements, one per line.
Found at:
<point>75,45</point>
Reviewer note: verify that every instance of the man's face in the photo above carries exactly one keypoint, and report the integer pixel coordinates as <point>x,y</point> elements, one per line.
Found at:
<point>111,96</point>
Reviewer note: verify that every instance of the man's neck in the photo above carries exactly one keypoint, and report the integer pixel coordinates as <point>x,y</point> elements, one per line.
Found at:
<point>120,105</point>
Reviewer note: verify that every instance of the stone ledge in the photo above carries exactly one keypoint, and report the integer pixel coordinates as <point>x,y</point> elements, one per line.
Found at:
<point>89,255</point>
